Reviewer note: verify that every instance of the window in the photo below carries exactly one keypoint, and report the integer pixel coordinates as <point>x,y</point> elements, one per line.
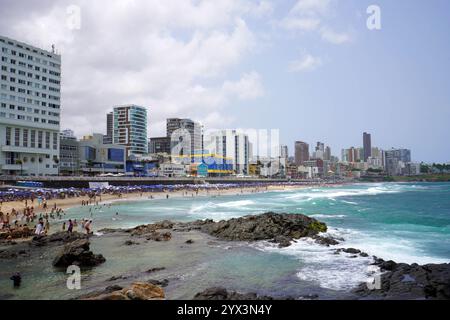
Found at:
<point>47,139</point>
<point>55,141</point>
<point>39,138</point>
<point>17,137</point>
<point>25,138</point>
<point>8,136</point>
<point>33,139</point>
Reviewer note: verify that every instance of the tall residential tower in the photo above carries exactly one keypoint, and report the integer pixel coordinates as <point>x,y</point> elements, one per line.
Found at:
<point>30,103</point>
<point>130,128</point>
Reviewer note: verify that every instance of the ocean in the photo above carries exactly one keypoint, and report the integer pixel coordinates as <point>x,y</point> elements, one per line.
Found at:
<point>404,222</point>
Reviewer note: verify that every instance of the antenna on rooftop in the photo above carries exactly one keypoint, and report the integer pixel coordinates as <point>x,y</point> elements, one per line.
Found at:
<point>53,48</point>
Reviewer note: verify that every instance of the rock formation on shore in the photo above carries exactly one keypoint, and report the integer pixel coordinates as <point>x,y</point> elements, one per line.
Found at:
<point>278,228</point>
<point>77,253</point>
<point>219,293</point>
<point>404,281</point>
<point>137,291</point>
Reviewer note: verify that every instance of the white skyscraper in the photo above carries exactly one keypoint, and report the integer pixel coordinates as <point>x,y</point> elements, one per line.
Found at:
<point>30,103</point>
<point>230,144</point>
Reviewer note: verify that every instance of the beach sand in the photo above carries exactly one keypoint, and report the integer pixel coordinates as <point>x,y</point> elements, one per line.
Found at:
<point>133,196</point>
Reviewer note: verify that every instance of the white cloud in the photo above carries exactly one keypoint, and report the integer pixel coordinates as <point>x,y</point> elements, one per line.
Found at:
<point>306,63</point>
<point>312,16</point>
<point>247,88</point>
<point>310,7</point>
<point>334,37</point>
<point>173,56</point>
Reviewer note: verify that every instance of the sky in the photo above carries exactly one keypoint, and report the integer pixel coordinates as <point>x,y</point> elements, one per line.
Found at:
<point>310,68</point>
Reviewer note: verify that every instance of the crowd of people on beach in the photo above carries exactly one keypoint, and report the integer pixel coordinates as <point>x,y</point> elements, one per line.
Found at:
<point>35,199</point>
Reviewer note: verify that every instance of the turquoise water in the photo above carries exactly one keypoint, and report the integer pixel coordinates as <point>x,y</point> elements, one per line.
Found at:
<point>405,222</point>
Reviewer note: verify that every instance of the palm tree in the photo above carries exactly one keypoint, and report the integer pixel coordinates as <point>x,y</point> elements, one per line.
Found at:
<point>18,161</point>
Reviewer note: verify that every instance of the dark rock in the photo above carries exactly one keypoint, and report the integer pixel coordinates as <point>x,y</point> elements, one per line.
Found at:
<point>403,281</point>
<point>155,269</point>
<point>190,241</point>
<point>77,252</point>
<point>219,293</point>
<point>63,237</point>
<point>326,241</point>
<point>351,250</point>
<point>137,291</point>
<point>159,236</point>
<point>162,283</point>
<point>130,243</point>
<point>114,278</point>
<point>282,241</point>
<point>17,233</point>
<point>151,228</point>
<point>363,254</point>
<point>267,226</point>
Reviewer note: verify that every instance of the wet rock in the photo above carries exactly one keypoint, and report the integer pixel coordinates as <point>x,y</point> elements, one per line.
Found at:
<point>326,241</point>
<point>219,293</point>
<point>155,269</point>
<point>63,237</point>
<point>282,241</point>
<point>17,233</point>
<point>159,236</point>
<point>151,228</point>
<point>351,250</point>
<point>77,252</point>
<point>363,254</point>
<point>162,283</point>
<point>115,278</point>
<point>137,291</point>
<point>404,281</point>
<point>130,243</point>
<point>267,226</point>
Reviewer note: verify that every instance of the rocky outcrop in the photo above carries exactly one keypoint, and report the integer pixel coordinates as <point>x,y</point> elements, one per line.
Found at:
<point>219,293</point>
<point>353,251</point>
<point>151,228</point>
<point>279,228</point>
<point>404,281</point>
<point>77,253</point>
<point>137,291</point>
<point>62,237</point>
<point>17,233</point>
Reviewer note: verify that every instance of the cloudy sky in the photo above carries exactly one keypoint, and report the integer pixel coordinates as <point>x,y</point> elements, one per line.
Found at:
<point>310,68</point>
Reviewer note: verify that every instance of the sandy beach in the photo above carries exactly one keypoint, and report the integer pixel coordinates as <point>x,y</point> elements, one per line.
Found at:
<point>70,202</point>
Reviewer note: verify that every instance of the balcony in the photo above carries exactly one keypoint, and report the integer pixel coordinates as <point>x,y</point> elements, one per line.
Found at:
<point>13,167</point>
<point>5,148</point>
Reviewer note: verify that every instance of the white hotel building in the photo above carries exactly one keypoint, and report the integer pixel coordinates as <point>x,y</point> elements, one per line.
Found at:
<point>30,102</point>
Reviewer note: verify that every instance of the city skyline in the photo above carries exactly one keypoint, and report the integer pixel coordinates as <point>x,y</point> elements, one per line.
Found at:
<point>236,88</point>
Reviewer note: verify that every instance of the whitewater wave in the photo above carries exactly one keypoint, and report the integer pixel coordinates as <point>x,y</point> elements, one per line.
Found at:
<point>321,265</point>
<point>332,193</point>
<point>327,216</point>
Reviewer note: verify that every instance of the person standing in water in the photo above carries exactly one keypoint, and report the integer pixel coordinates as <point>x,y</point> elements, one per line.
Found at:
<point>70,228</point>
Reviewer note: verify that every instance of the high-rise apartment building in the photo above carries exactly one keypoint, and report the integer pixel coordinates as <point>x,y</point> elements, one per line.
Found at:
<point>107,139</point>
<point>185,134</point>
<point>159,145</point>
<point>367,146</point>
<point>30,104</point>
<point>230,144</point>
<point>301,152</point>
<point>130,128</point>
<point>395,159</point>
